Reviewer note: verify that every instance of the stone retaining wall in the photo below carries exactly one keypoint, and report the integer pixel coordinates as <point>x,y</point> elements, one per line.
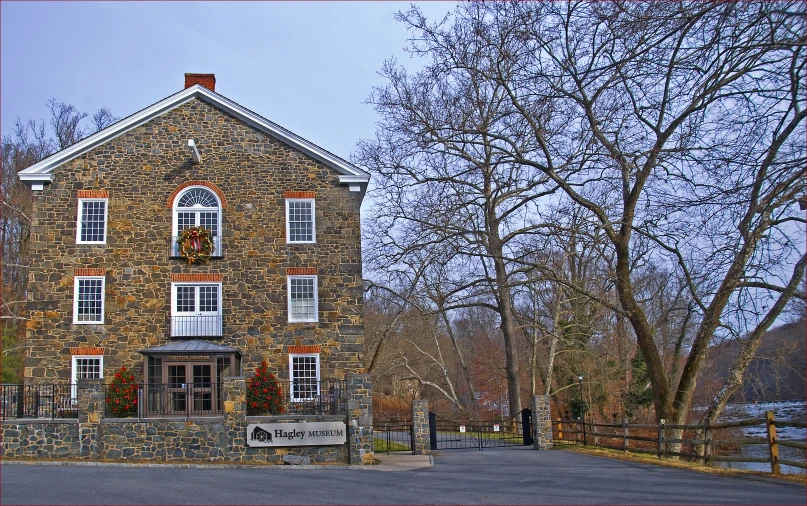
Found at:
<point>50,439</point>
<point>193,440</point>
<point>203,439</point>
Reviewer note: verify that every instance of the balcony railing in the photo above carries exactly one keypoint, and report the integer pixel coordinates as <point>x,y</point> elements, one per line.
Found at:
<point>196,326</point>
<point>37,401</point>
<point>173,247</point>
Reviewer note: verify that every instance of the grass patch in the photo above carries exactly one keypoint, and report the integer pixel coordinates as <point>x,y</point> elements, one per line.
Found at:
<point>679,464</point>
<point>380,445</point>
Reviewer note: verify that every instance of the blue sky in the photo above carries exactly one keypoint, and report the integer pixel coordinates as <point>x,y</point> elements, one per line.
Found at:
<point>307,66</point>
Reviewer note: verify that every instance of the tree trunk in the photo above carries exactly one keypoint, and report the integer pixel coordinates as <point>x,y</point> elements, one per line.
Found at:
<point>735,377</point>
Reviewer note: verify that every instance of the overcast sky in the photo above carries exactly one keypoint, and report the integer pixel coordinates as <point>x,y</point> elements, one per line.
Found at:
<point>307,66</point>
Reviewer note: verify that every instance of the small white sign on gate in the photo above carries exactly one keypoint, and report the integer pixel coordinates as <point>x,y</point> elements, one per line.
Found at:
<point>462,428</point>
<point>495,427</point>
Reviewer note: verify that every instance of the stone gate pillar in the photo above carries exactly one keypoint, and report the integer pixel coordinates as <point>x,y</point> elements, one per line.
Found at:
<point>360,418</point>
<point>541,423</point>
<point>420,427</point>
<point>91,404</point>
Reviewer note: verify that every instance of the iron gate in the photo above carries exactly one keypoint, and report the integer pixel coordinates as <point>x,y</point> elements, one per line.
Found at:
<point>393,436</point>
<point>448,434</point>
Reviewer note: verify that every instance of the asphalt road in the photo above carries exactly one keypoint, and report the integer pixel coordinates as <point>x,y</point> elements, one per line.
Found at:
<point>494,476</point>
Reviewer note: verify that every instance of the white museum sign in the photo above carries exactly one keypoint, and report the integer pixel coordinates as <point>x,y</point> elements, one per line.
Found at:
<point>296,434</point>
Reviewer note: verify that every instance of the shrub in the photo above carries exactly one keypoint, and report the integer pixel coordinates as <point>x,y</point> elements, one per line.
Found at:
<point>264,395</point>
<point>121,394</point>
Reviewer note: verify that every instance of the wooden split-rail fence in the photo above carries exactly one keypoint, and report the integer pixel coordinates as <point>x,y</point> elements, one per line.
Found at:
<point>702,441</point>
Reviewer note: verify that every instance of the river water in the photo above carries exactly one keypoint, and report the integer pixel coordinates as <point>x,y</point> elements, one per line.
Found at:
<point>783,410</point>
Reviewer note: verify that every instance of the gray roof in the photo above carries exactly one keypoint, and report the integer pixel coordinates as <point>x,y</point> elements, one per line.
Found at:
<point>193,346</point>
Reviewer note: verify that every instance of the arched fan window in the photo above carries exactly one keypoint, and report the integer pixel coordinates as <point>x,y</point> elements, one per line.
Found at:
<point>197,206</point>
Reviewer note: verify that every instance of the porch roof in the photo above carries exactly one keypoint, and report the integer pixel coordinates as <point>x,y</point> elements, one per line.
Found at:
<point>192,346</point>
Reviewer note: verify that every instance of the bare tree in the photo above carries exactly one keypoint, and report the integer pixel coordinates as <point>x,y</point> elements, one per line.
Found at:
<point>65,120</point>
<point>441,181</point>
<point>679,126</point>
<point>420,288</point>
<point>103,118</point>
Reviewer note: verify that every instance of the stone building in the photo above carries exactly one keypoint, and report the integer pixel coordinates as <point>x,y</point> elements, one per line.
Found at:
<point>190,242</point>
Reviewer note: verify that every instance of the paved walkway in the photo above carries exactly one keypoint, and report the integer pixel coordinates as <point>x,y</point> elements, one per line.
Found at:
<point>493,476</point>
<point>402,462</point>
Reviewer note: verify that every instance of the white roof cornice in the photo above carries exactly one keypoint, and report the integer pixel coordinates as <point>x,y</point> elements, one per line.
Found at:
<point>41,172</point>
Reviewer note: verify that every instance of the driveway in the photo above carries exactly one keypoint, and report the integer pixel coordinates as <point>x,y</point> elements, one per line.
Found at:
<point>494,476</point>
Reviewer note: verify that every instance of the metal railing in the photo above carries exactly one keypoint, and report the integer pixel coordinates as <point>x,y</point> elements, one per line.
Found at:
<point>37,401</point>
<point>309,397</point>
<point>161,399</point>
<point>196,326</point>
<point>173,247</point>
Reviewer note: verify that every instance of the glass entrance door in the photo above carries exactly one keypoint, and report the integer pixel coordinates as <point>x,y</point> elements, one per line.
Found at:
<point>190,388</point>
<point>177,389</point>
<point>202,391</point>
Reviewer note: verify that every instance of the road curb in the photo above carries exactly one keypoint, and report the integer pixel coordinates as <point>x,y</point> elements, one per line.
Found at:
<point>378,467</point>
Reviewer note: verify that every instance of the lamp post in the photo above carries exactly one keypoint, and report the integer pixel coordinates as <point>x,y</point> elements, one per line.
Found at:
<point>582,408</point>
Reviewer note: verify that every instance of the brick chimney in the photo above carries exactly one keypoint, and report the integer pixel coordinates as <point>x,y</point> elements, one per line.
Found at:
<point>206,80</point>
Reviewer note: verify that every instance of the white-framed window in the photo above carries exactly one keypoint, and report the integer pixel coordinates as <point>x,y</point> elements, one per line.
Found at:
<point>88,299</point>
<point>92,218</point>
<point>304,375</point>
<point>300,226</point>
<point>85,367</point>
<point>303,305</point>
<point>196,310</point>
<point>197,206</point>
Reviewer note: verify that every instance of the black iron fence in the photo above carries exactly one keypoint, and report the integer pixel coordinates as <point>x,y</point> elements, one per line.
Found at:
<point>161,399</point>
<point>37,401</point>
<point>325,397</point>
<point>310,397</point>
<point>448,434</point>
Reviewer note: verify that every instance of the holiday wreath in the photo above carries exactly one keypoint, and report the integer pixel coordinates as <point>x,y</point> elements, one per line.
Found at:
<point>195,245</point>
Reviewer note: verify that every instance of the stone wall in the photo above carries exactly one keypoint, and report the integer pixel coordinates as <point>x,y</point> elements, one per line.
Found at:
<point>141,170</point>
<point>48,439</point>
<point>541,423</point>
<point>211,439</point>
<point>194,440</point>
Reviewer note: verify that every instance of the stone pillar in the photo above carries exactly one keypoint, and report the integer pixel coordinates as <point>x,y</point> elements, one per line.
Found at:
<point>541,423</point>
<point>234,394</point>
<point>421,444</point>
<point>360,418</point>
<point>91,405</point>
